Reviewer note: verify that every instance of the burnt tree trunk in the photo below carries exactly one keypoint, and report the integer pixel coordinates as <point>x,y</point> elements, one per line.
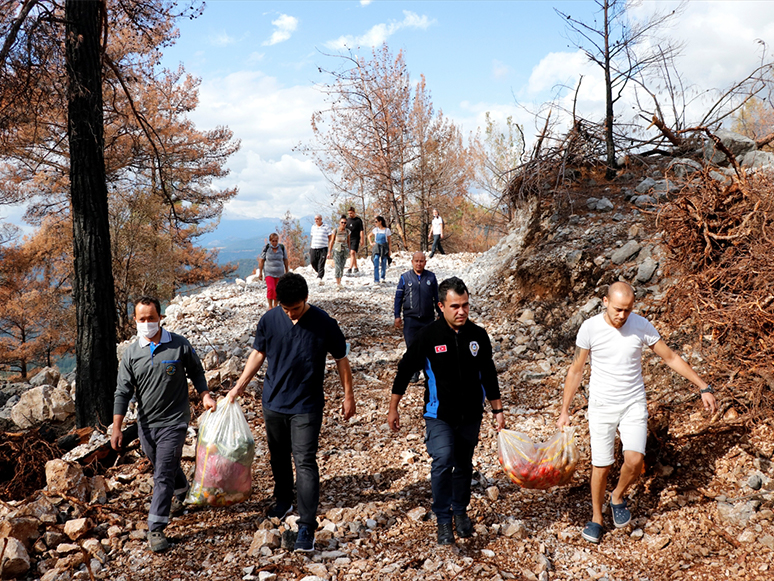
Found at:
<point>93,290</point>
<point>609,114</point>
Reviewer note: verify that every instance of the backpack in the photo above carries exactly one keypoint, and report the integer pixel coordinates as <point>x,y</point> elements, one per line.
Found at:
<point>280,246</point>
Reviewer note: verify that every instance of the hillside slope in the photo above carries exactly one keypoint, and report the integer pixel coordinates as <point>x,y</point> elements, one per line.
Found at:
<point>695,515</point>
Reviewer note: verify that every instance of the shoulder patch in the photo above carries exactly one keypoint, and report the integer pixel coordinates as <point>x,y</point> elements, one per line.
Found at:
<point>440,348</point>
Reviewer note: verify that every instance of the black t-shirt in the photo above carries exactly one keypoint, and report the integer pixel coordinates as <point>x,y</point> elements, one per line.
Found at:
<point>295,357</point>
<point>355,227</point>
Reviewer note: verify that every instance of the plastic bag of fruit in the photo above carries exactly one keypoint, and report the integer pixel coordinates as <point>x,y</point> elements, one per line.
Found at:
<point>224,454</point>
<point>538,465</point>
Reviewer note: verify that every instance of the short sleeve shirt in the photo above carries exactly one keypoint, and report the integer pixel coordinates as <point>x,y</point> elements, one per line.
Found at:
<point>320,235</point>
<point>295,356</point>
<point>437,226</point>
<point>381,234</point>
<point>355,227</point>
<point>616,357</point>
<point>274,264</point>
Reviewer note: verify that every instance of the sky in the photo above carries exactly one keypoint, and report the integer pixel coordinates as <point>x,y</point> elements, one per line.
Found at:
<point>260,66</point>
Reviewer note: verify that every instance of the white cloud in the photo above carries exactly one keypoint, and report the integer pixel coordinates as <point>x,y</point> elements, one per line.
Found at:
<point>270,119</point>
<point>222,39</point>
<point>365,2</point>
<point>500,70</point>
<point>379,33</point>
<point>556,69</point>
<point>284,26</point>
<point>255,57</point>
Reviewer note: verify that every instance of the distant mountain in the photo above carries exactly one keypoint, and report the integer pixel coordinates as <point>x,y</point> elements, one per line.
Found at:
<point>240,241</point>
<point>240,234</point>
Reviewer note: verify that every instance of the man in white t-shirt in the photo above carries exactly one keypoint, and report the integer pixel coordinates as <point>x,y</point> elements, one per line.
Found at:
<point>320,240</point>
<point>612,341</point>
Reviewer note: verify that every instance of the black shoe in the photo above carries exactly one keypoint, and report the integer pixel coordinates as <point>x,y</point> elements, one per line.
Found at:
<point>463,525</point>
<point>304,540</point>
<point>445,534</point>
<point>415,377</point>
<point>176,507</point>
<point>280,510</point>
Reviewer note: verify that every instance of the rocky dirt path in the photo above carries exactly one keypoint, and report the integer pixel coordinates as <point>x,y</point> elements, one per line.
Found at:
<point>695,515</point>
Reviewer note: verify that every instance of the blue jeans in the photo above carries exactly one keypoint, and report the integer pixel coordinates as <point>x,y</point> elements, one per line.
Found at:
<point>436,245</point>
<point>164,448</point>
<point>451,448</point>
<point>383,259</point>
<point>296,435</point>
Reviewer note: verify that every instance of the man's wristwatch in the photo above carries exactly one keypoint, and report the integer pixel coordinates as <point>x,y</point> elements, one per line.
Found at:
<point>495,412</point>
<point>708,389</point>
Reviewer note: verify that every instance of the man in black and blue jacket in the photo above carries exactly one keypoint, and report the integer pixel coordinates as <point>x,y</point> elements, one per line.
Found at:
<point>456,355</point>
<point>417,297</point>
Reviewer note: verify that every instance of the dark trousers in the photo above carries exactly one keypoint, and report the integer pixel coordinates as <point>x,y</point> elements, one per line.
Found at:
<point>164,448</point>
<point>295,435</point>
<point>411,326</point>
<point>436,245</point>
<point>451,448</point>
<point>317,257</point>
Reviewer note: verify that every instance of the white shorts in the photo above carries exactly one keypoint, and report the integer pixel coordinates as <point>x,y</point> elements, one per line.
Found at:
<point>631,421</point>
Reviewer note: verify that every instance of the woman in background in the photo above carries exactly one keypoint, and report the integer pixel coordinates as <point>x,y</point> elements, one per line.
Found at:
<point>339,249</point>
<point>381,239</point>
<point>274,263</point>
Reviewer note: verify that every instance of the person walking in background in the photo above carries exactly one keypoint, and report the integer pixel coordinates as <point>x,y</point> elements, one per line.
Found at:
<point>381,240</point>
<point>356,238</point>
<point>436,234</point>
<point>154,370</point>
<point>272,263</point>
<point>318,254</point>
<point>456,355</point>
<point>339,248</point>
<point>417,297</point>
<point>613,342</point>
<point>295,340</point>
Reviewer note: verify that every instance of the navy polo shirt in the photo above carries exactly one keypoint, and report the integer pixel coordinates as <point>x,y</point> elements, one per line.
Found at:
<point>295,357</point>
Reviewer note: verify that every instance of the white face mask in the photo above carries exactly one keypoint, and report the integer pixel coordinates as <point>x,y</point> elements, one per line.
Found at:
<point>148,330</point>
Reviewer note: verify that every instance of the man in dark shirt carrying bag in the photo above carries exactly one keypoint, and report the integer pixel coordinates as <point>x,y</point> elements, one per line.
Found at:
<point>456,355</point>
<point>295,340</point>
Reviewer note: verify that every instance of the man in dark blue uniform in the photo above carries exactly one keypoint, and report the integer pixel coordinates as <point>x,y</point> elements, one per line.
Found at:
<point>295,340</point>
<point>456,355</point>
<point>417,297</point>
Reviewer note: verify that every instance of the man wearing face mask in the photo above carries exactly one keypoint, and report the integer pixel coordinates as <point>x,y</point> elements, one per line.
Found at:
<point>154,369</point>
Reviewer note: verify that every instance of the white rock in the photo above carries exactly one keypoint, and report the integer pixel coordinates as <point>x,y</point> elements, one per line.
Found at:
<point>16,561</point>
<point>42,403</point>
<point>66,478</point>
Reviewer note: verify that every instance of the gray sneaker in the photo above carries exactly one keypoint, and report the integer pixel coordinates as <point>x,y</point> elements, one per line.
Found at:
<point>157,541</point>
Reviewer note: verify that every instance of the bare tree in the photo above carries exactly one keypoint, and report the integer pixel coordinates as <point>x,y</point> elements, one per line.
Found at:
<point>623,50</point>
<point>381,143</point>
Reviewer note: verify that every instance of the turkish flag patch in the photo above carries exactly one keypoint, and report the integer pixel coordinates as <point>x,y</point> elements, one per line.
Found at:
<point>440,348</point>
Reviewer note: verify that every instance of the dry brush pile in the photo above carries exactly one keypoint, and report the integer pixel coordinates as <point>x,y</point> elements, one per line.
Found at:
<point>723,238</point>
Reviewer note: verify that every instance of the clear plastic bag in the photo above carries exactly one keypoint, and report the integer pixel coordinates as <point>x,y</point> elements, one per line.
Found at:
<point>538,465</point>
<point>225,450</point>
